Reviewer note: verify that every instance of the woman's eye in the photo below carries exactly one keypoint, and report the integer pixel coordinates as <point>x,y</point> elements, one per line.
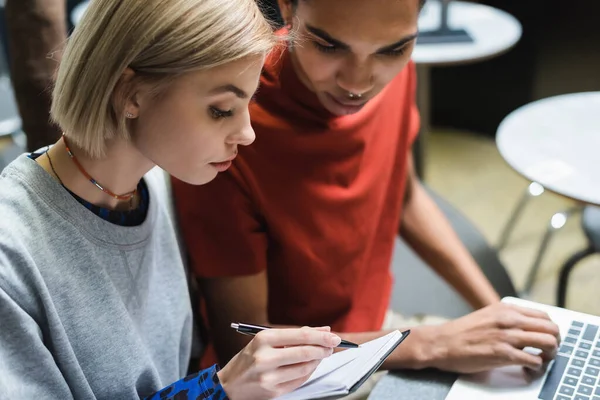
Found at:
<point>217,113</point>
<point>324,48</point>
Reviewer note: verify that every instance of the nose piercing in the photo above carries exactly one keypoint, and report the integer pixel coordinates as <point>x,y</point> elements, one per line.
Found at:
<point>354,96</point>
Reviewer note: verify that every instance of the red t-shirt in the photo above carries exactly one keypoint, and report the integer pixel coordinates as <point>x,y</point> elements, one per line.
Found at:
<point>315,201</point>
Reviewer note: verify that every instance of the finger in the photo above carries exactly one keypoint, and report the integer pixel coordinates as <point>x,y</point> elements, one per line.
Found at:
<point>535,374</point>
<point>291,373</point>
<point>287,387</point>
<point>534,320</point>
<point>320,328</point>
<point>543,341</point>
<point>525,359</point>
<point>548,356</point>
<point>299,354</point>
<point>323,328</point>
<point>540,325</point>
<point>530,312</point>
<point>295,337</point>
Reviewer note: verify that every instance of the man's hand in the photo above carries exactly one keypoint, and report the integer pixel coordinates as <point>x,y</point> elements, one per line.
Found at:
<point>492,337</point>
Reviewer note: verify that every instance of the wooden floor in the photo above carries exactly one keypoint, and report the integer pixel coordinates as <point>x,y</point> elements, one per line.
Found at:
<point>470,173</point>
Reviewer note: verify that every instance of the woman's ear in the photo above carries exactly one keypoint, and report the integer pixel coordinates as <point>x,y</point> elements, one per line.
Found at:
<point>129,95</point>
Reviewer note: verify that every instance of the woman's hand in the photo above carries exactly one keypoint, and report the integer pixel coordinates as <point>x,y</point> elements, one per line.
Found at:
<point>276,362</point>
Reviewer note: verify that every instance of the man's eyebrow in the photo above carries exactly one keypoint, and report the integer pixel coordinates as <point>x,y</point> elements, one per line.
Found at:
<point>398,44</point>
<point>327,37</point>
<point>343,46</point>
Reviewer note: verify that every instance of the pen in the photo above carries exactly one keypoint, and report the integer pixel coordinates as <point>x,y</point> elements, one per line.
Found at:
<point>252,330</point>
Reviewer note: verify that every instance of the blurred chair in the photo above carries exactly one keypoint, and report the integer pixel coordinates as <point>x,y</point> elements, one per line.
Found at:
<point>556,223</point>
<point>590,223</point>
<point>419,290</point>
<point>10,121</point>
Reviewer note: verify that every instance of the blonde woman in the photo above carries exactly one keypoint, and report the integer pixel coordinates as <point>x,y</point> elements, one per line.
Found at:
<point>93,293</point>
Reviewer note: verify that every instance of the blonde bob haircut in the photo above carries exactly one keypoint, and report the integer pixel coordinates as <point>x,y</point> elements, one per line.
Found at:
<point>159,40</point>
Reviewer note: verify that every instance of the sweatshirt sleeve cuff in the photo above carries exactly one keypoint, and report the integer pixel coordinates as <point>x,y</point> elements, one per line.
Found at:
<point>201,385</point>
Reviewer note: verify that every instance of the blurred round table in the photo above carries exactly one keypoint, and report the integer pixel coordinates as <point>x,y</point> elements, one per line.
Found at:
<point>78,11</point>
<point>556,142</point>
<point>493,32</point>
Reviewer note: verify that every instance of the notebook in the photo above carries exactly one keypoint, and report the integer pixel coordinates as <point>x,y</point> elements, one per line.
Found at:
<point>342,373</point>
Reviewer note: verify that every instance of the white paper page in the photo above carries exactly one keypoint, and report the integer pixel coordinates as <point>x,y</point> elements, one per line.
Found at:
<point>369,354</point>
<point>327,366</point>
<point>339,372</point>
<point>332,363</point>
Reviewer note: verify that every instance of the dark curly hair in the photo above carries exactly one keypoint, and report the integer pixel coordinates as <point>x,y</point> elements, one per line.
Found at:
<point>271,10</point>
<point>421,2</point>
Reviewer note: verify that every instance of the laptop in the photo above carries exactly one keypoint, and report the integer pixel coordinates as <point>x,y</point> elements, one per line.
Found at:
<point>573,375</point>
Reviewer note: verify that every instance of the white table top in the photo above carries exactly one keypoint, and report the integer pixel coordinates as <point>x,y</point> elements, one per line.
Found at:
<point>494,32</point>
<point>556,142</point>
<point>77,12</point>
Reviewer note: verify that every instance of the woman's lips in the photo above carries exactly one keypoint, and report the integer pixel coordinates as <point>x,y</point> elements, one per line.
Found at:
<point>221,166</point>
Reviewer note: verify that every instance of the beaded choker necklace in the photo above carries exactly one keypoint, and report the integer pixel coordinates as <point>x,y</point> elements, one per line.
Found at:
<point>126,196</point>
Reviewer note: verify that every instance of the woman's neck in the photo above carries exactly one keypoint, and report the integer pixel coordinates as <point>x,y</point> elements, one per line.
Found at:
<point>119,171</point>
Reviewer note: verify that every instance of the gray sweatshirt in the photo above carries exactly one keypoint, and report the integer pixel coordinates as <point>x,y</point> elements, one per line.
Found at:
<point>88,309</point>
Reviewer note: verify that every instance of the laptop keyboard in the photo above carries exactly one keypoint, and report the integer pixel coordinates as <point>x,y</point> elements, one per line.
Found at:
<point>575,373</point>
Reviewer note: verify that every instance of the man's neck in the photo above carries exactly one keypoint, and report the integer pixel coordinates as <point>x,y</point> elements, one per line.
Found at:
<point>119,172</point>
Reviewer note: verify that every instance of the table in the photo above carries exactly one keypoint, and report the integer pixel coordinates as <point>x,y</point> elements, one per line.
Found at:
<point>556,142</point>
<point>493,31</point>
<point>414,385</point>
<point>78,11</point>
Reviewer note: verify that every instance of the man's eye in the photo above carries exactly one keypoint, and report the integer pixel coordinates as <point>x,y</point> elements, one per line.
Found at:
<point>396,52</point>
<point>217,113</point>
<point>325,49</point>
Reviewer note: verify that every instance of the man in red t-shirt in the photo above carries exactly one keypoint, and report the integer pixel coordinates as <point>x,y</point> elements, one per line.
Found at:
<point>300,230</point>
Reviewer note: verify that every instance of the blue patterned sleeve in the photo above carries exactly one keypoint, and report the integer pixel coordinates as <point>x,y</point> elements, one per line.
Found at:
<point>201,385</point>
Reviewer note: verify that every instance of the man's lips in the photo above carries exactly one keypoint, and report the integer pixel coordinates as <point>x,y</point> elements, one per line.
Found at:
<point>348,103</point>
